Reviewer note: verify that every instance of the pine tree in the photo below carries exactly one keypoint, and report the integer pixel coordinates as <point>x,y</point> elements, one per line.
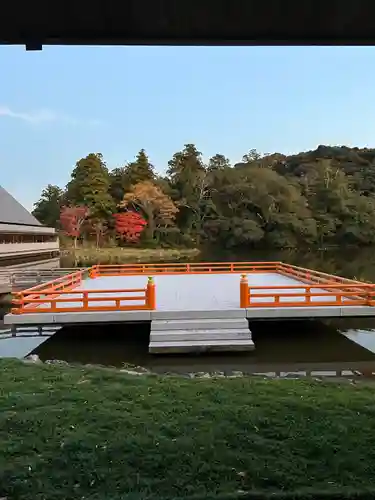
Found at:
<point>139,170</point>
<point>47,208</point>
<point>89,186</point>
<point>188,177</point>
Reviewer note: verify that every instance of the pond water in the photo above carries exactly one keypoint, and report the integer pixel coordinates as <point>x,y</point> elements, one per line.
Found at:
<point>336,347</point>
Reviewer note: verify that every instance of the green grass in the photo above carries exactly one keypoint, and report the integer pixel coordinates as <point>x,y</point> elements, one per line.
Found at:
<point>89,256</point>
<point>73,433</point>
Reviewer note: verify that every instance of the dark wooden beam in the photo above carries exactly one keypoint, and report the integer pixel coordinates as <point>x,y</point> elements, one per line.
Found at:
<point>187,22</point>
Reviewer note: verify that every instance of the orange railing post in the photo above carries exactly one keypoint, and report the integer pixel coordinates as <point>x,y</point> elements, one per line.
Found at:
<point>370,297</point>
<point>93,272</point>
<point>244,291</point>
<point>150,293</point>
<point>17,303</point>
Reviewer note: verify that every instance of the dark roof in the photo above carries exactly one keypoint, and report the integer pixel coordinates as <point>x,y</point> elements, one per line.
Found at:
<point>171,22</point>
<point>12,212</point>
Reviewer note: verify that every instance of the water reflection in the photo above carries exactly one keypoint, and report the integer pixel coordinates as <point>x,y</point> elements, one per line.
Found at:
<point>281,347</point>
<point>18,347</point>
<point>347,262</point>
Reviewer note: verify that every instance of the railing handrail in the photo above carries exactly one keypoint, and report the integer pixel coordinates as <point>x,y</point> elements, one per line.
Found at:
<point>57,281</point>
<point>302,270</point>
<point>344,293</point>
<point>182,268</point>
<point>313,286</point>
<point>312,283</point>
<point>202,264</point>
<point>60,270</point>
<point>76,292</point>
<point>32,301</point>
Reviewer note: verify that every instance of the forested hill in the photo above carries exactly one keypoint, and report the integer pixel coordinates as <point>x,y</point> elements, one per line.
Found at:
<point>323,197</point>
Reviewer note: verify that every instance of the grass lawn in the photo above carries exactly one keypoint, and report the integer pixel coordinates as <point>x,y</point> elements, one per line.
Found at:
<point>86,433</point>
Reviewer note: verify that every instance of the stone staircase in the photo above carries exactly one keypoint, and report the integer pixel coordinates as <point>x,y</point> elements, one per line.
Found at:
<point>170,336</point>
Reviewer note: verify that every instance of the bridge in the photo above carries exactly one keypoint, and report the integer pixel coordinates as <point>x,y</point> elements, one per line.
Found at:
<point>192,307</point>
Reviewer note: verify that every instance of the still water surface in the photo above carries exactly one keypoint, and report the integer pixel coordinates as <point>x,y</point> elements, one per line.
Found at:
<point>281,347</point>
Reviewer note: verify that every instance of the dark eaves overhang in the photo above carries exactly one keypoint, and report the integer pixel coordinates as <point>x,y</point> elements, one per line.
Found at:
<point>187,22</point>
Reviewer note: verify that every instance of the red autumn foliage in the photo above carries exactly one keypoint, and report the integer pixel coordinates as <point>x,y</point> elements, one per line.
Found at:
<point>129,226</point>
<point>72,220</point>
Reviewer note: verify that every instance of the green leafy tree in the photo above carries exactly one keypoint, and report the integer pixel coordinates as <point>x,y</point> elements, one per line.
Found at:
<point>218,162</point>
<point>317,198</point>
<point>122,179</point>
<point>118,183</point>
<point>141,169</point>
<point>47,208</point>
<point>257,205</point>
<point>251,156</point>
<point>189,181</point>
<point>89,186</point>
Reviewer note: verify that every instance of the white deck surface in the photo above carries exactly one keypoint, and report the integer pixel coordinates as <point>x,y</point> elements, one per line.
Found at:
<point>197,292</point>
<point>194,292</point>
<point>200,293</point>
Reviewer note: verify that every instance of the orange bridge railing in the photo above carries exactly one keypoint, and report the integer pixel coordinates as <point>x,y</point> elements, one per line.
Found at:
<point>315,288</point>
<point>324,294</point>
<point>59,299</point>
<point>184,268</point>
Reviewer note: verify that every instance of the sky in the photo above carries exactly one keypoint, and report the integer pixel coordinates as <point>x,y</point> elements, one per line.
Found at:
<point>62,103</point>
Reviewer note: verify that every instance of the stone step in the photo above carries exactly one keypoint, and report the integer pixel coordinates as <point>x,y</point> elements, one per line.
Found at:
<point>200,346</point>
<point>197,334</point>
<point>160,315</point>
<point>198,324</point>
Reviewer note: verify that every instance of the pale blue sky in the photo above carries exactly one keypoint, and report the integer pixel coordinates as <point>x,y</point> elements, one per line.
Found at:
<point>62,103</point>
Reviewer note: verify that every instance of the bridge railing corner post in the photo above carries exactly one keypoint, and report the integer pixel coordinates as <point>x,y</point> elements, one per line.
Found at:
<point>244,291</point>
<point>93,272</point>
<point>151,293</point>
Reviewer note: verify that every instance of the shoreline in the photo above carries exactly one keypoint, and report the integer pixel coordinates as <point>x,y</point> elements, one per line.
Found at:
<point>136,370</point>
<point>85,257</point>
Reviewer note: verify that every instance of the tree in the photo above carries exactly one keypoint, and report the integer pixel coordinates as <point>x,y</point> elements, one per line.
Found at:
<point>218,162</point>
<point>141,169</point>
<point>72,219</point>
<point>47,208</point>
<point>123,178</point>
<point>324,197</point>
<point>89,186</point>
<point>118,183</point>
<point>255,205</point>
<point>251,156</point>
<point>189,180</point>
<point>99,228</point>
<point>157,207</point>
<point>129,226</point>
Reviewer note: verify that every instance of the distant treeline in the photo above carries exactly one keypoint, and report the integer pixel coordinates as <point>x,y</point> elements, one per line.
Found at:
<point>318,198</point>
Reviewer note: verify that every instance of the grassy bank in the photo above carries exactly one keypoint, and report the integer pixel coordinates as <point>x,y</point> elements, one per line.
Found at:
<point>89,256</point>
<point>100,434</point>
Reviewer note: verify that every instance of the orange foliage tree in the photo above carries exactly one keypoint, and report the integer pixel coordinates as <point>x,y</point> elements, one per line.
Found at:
<point>157,207</point>
<point>72,220</point>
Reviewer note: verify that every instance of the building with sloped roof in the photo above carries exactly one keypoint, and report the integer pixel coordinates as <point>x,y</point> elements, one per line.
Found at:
<point>22,236</point>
